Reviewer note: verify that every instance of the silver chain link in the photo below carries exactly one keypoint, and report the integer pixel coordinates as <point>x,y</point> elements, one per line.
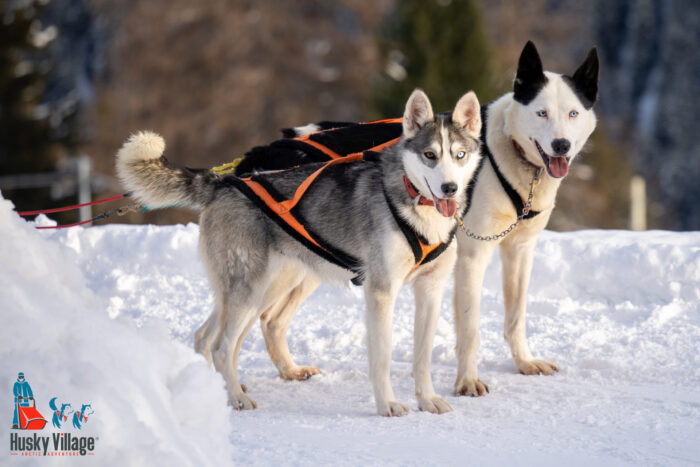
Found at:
<point>526,210</point>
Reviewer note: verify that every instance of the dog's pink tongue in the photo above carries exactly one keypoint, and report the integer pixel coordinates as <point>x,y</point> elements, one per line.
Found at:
<point>446,207</point>
<point>558,166</point>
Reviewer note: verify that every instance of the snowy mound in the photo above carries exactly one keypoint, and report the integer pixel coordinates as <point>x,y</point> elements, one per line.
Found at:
<point>107,314</point>
<point>152,397</point>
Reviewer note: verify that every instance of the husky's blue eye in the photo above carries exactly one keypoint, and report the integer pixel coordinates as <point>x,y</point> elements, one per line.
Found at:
<point>429,154</point>
<point>542,113</point>
<point>461,154</point>
<point>573,113</point>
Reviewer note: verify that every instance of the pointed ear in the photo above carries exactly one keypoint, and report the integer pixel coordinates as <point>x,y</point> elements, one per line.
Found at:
<point>585,79</point>
<point>467,114</point>
<point>418,112</point>
<point>530,78</point>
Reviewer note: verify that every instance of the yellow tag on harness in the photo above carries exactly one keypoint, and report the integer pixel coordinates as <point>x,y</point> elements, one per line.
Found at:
<point>228,168</point>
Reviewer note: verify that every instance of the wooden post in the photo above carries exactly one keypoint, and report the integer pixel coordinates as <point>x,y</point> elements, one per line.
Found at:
<point>638,203</point>
<point>84,187</point>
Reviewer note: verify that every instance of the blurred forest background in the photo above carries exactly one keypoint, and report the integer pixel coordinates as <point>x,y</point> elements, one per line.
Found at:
<point>217,77</point>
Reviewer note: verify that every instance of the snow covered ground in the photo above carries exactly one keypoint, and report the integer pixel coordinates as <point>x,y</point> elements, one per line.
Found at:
<point>107,314</point>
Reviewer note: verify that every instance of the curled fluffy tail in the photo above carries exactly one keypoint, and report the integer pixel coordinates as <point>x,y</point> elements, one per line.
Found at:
<point>154,181</point>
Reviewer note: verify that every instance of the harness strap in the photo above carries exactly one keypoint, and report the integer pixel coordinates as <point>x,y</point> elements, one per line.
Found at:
<point>507,187</point>
<point>294,225</point>
<point>510,191</point>
<point>334,155</point>
<point>258,190</point>
<point>332,141</point>
<point>286,206</point>
<point>279,209</point>
<point>324,149</point>
<point>423,252</point>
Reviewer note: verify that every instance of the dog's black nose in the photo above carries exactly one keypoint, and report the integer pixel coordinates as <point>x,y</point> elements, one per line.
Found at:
<point>449,188</point>
<point>561,146</point>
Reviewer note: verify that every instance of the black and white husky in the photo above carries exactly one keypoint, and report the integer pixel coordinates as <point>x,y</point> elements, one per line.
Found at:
<point>365,209</point>
<point>529,139</point>
<point>541,126</point>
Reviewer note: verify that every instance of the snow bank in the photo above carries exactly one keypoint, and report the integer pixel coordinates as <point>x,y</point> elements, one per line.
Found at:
<point>154,400</point>
<point>619,312</point>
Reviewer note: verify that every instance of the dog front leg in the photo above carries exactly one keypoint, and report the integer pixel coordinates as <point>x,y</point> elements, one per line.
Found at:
<point>428,289</point>
<point>516,258</point>
<point>470,268</point>
<point>380,297</point>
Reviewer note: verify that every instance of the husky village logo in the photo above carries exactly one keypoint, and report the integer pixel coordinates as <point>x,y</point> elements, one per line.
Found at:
<point>27,422</point>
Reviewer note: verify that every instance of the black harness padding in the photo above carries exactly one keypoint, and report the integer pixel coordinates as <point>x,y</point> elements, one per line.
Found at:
<point>279,155</point>
<point>358,137</point>
<point>338,138</point>
<point>507,187</point>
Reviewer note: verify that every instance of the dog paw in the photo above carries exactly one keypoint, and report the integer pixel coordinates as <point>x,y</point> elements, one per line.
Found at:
<point>434,404</point>
<point>536,367</point>
<point>242,402</point>
<point>393,409</point>
<point>300,373</point>
<point>471,387</point>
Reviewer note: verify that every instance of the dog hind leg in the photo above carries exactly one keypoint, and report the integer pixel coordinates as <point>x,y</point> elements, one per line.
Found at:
<point>206,335</point>
<point>274,323</point>
<point>242,303</point>
<point>237,322</point>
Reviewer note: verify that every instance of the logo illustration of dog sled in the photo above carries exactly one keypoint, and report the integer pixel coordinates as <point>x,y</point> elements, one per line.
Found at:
<point>26,416</point>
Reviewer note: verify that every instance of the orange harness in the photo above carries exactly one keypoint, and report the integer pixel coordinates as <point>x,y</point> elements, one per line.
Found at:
<point>282,211</point>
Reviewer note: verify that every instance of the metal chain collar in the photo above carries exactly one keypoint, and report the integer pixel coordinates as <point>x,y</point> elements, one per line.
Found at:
<point>526,210</point>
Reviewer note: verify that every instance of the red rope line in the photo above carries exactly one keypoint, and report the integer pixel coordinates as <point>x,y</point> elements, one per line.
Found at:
<point>68,208</point>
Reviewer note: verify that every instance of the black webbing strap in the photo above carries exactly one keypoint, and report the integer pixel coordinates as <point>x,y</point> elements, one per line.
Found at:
<point>507,187</point>
<point>414,239</point>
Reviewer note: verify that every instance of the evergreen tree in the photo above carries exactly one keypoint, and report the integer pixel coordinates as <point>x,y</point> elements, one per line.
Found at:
<point>438,45</point>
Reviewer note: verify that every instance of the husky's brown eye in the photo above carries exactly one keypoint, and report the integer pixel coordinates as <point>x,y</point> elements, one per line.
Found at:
<point>429,154</point>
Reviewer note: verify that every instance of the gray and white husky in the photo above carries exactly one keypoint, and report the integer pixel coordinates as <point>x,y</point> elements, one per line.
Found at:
<point>357,207</point>
<point>539,127</point>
